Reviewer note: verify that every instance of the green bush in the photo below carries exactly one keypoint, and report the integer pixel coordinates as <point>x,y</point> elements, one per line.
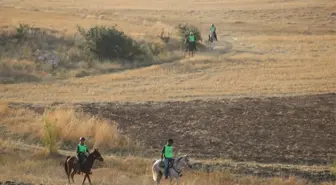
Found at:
<point>110,43</point>
<point>50,135</point>
<point>22,30</point>
<point>185,29</point>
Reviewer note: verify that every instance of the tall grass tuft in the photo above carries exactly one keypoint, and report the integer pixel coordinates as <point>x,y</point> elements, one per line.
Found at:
<point>50,135</point>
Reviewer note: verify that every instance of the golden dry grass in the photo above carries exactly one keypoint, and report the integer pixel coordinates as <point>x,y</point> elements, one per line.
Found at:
<point>114,171</point>
<point>219,77</point>
<point>70,126</point>
<point>262,50</point>
<point>266,48</point>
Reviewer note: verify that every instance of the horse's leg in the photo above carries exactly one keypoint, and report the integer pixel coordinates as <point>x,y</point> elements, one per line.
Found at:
<point>68,175</point>
<point>158,178</point>
<point>89,179</point>
<point>177,180</point>
<point>68,171</point>
<point>73,174</point>
<point>171,180</point>
<point>84,178</point>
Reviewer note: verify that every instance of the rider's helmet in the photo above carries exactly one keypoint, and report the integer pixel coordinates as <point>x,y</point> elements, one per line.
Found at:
<point>82,139</point>
<point>212,25</point>
<point>170,141</point>
<point>191,33</point>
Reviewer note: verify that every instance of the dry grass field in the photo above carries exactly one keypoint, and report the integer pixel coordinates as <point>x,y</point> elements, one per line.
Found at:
<point>261,105</point>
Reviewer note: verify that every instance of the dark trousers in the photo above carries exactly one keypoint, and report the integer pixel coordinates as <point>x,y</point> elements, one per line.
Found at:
<point>192,46</point>
<point>81,157</point>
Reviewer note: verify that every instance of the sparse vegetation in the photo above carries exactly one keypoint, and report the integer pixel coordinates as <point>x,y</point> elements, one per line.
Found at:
<point>32,54</point>
<point>50,136</point>
<point>185,29</point>
<point>110,43</point>
<point>273,49</point>
<point>60,128</point>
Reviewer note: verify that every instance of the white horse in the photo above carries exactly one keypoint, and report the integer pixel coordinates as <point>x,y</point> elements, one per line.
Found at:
<point>175,171</point>
<point>211,40</point>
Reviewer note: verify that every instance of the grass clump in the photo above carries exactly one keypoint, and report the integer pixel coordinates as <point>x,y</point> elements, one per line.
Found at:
<point>66,126</point>
<point>50,136</point>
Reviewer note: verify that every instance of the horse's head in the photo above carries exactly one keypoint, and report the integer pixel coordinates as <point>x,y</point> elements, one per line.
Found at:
<point>185,161</point>
<point>96,155</point>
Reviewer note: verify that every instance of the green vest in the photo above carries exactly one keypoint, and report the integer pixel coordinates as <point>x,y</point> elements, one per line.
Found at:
<point>82,148</point>
<point>168,151</point>
<point>212,28</point>
<point>192,38</point>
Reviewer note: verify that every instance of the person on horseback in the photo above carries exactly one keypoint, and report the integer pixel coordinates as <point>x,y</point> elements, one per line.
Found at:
<point>192,42</point>
<point>82,150</point>
<point>213,31</point>
<point>167,155</point>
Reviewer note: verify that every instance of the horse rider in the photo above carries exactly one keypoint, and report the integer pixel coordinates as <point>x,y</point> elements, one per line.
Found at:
<point>167,155</point>
<point>82,149</point>
<point>213,31</point>
<point>192,41</point>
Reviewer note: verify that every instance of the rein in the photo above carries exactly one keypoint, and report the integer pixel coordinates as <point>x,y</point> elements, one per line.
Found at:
<point>178,171</point>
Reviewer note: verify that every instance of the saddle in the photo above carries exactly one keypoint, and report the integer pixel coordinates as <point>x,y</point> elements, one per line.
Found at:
<point>80,163</point>
<point>170,164</point>
<point>83,160</point>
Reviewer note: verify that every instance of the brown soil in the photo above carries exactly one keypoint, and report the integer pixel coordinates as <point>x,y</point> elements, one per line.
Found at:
<point>299,129</point>
<point>15,183</point>
<point>294,130</point>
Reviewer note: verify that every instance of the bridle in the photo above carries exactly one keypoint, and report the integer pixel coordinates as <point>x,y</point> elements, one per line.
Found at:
<point>178,171</point>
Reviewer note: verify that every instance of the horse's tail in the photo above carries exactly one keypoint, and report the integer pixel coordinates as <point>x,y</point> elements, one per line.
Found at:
<point>156,172</point>
<point>66,165</point>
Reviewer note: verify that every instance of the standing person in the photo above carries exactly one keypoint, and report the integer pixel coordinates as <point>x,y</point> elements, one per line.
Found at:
<point>167,155</point>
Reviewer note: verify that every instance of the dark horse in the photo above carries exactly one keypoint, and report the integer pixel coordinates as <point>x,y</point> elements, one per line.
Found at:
<point>71,165</point>
<point>189,46</point>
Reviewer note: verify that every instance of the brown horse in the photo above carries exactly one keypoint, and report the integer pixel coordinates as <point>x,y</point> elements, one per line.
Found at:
<point>71,165</point>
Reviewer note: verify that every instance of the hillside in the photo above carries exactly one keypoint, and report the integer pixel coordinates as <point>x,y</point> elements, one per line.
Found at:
<point>258,109</point>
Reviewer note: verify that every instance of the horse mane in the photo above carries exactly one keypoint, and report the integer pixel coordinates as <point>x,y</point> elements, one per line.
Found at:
<point>179,159</point>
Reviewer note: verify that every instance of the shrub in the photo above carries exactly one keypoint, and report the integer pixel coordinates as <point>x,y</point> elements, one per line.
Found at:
<point>22,30</point>
<point>110,43</point>
<point>185,29</point>
<point>50,135</point>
